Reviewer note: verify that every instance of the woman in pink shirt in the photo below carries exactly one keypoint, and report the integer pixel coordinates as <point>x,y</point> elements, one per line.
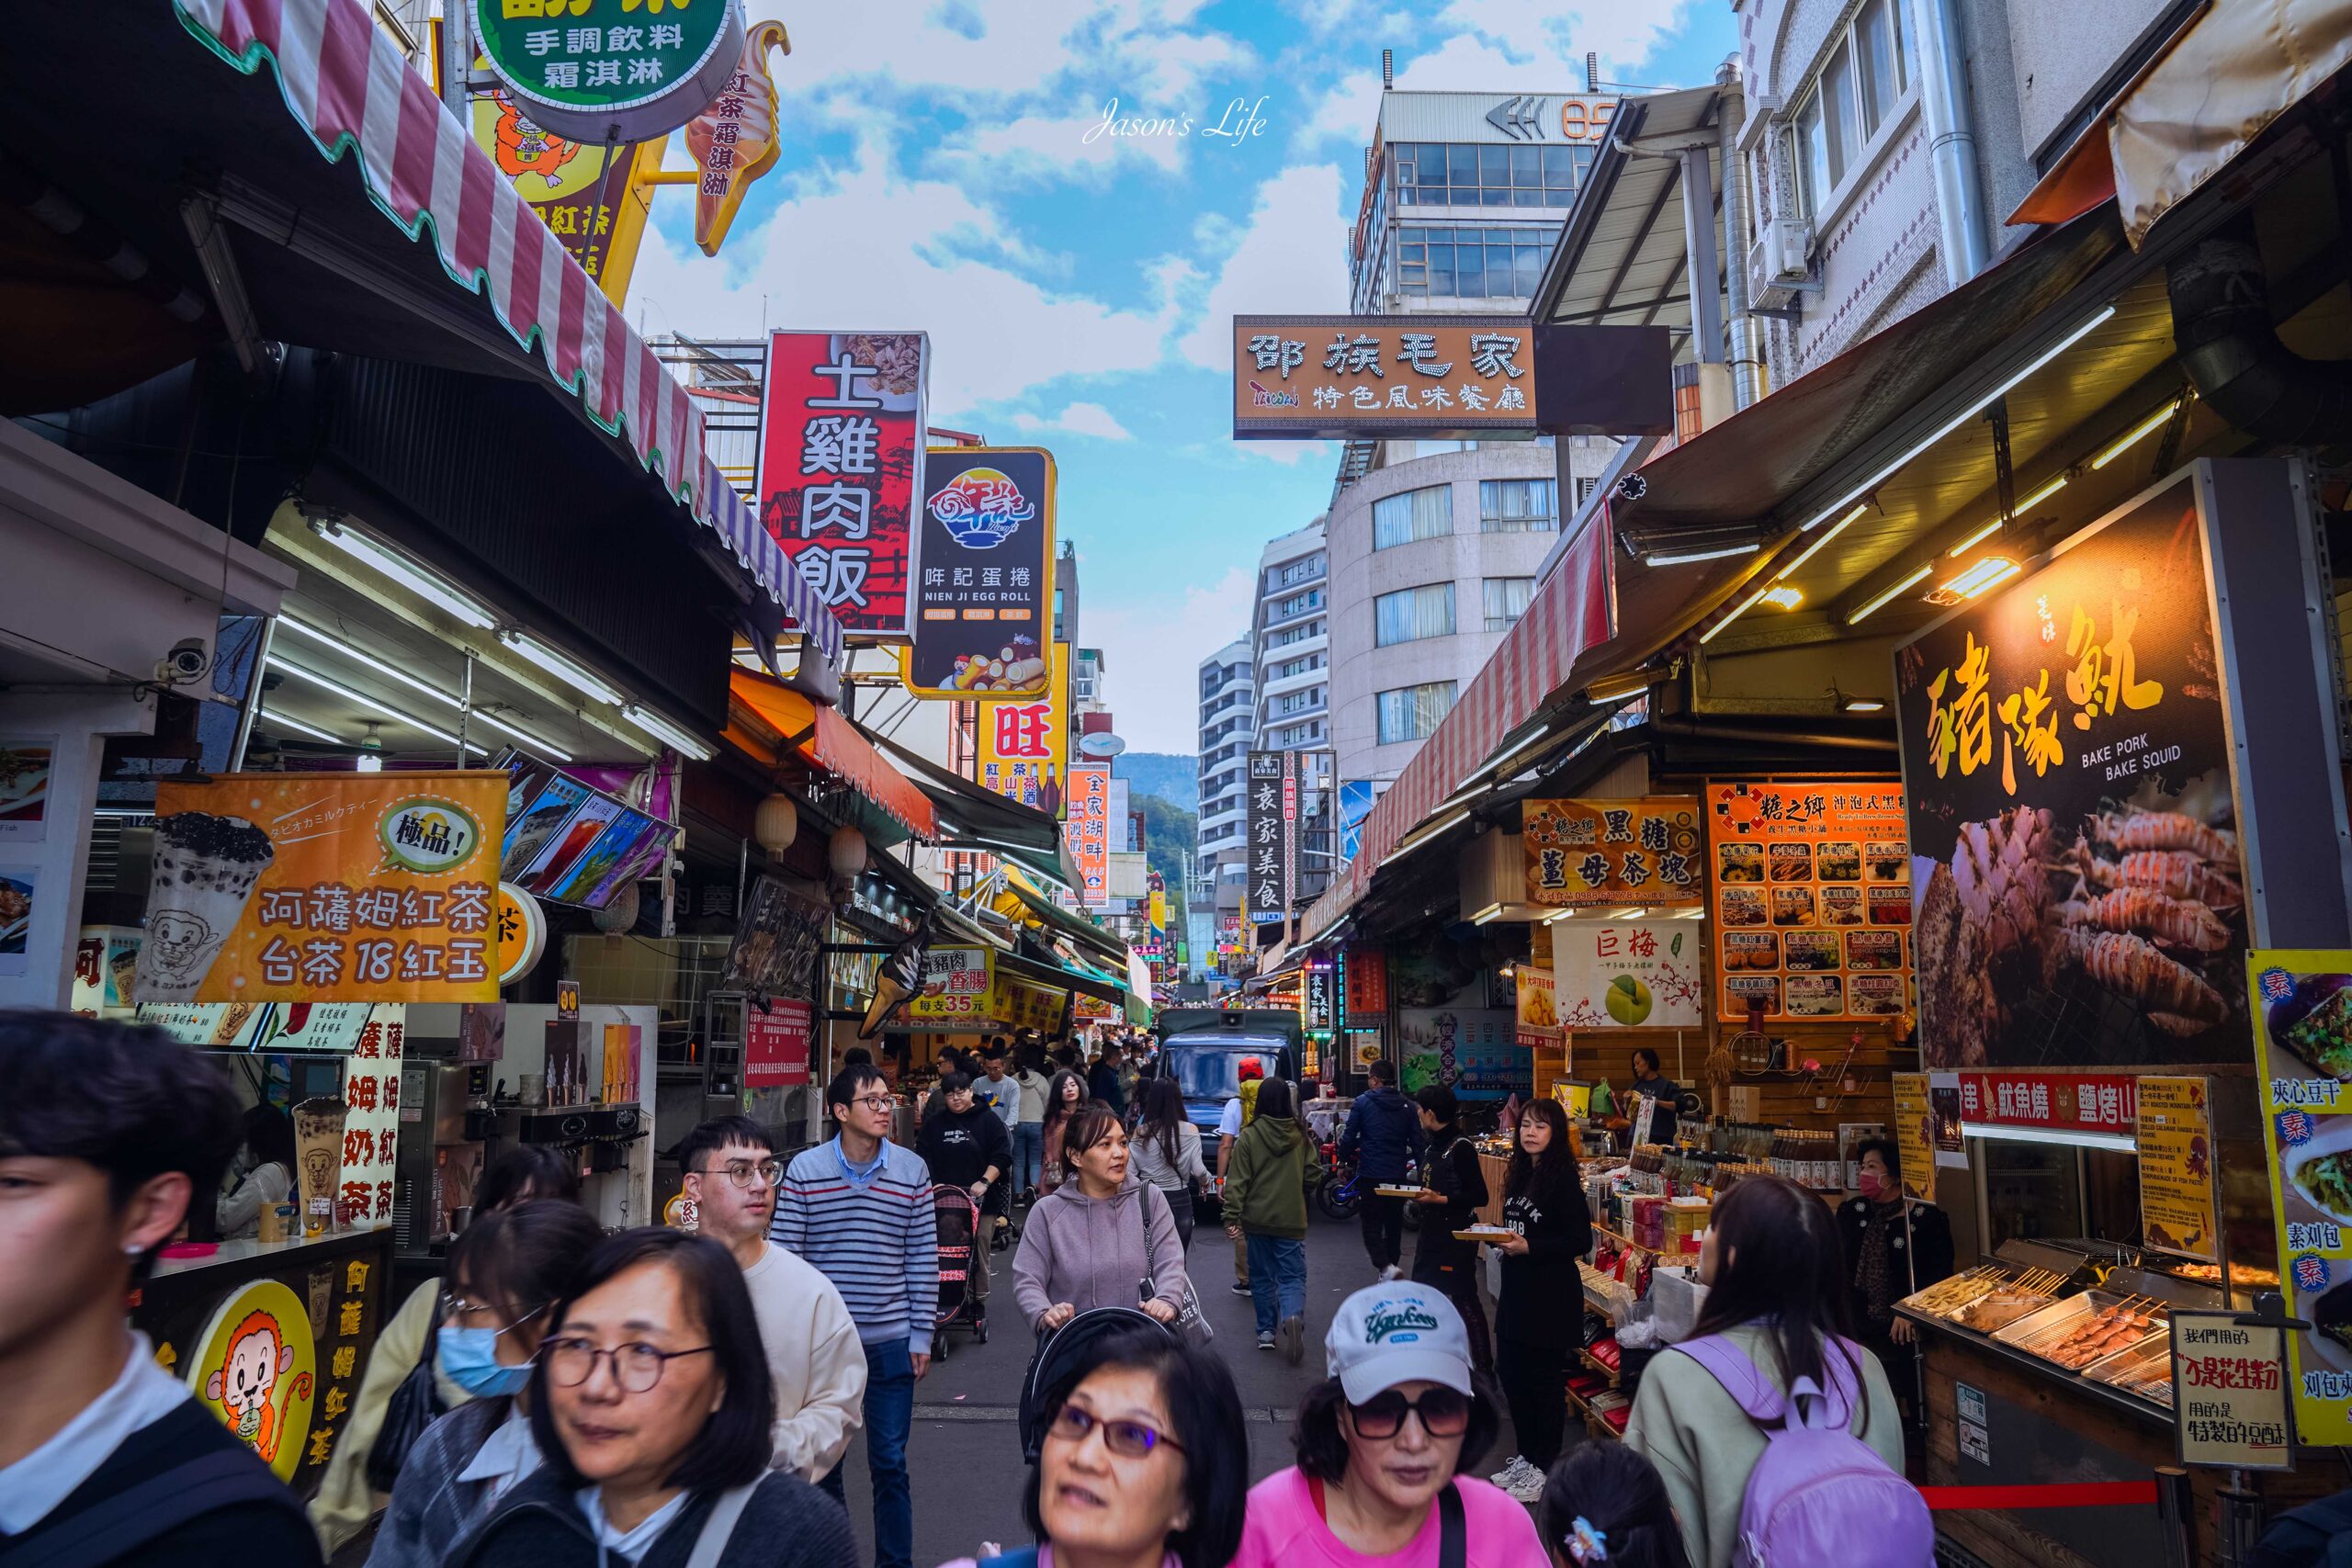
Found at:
<point>1381,1448</point>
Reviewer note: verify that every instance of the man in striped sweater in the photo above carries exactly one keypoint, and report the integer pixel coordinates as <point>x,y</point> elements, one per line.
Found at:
<point>858,1208</point>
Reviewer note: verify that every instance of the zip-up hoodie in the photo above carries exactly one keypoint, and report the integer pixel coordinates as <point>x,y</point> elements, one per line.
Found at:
<point>1090,1252</point>
<point>787,1524</point>
<point>1265,1187</point>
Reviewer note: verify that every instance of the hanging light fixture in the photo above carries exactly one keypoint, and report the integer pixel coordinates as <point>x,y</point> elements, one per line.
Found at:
<point>776,823</point>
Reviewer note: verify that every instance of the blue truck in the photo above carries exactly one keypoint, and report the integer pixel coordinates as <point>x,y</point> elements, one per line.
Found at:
<point>1202,1050</point>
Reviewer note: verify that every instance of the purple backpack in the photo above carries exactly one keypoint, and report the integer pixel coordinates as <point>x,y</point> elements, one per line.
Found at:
<point>1819,1495</point>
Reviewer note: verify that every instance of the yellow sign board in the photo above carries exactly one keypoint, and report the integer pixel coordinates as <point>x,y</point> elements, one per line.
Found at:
<point>2176,1139</point>
<point>964,990</point>
<point>2303,1041</point>
<point>1023,742</point>
<point>255,1367</point>
<point>1914,1136</point>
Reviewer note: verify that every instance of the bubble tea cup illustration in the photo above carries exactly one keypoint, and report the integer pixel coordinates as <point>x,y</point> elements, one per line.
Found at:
<point>206,868</point>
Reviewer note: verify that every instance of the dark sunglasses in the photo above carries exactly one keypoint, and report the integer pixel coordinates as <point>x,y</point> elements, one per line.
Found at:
<point>1443,1412</point>
<point>1129,1439</point>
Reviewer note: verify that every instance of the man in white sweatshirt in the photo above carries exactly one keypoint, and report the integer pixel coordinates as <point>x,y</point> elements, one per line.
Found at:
<point>814,1356</point>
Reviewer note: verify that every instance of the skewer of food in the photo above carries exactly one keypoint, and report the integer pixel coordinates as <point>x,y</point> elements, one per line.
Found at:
<point>2102,1333</point>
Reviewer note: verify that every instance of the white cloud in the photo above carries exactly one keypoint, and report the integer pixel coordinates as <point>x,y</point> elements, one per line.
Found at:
<point>1291,255</point>
<point>1623,32</point>
<point>1041,147</point>
<point>1077,419</point>
<point>1154,648</point>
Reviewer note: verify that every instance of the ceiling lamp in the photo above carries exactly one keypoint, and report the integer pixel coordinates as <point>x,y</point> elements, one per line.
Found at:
<point>1784,597</point>
<point>1880,601</point>
<point>426,585</point>
<point>1983,575</point>
<point>662,729</point>
<point>558,666</point>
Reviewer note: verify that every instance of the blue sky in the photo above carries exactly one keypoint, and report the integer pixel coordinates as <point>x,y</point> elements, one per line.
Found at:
<point>937,174</point>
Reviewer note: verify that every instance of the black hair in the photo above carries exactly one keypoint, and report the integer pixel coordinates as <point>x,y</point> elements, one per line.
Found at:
<point>525,1257</point>
<point>956,1082</point>
<point>849,1083</point>
<point>1214,1445</point>
<point>709,1137</point>
<point>994,1051</point>
<point>1439,1101</point>
<point>857,1056</point>
<point>737,1439</point>
<point>1556,1164</point>
<point>1617,1492</point>
<point>524,1173</point>
<point>1323,1446</point>
<point>1088,1125</point>
<point>1882,1148</point>
<point>1383,1071</point>
<point>1780,1263</point>
<point>1054,1104</point>
<point>1647,1053</point>
<point>1274,1102</point>
<point>269,1132</point>
<point>1163,1116</point>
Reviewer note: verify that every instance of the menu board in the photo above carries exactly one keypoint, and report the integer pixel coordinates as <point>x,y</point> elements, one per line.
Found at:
<point>571,844</point>
<point>1592,853</point>
<point>1812,898</point>
<point>1475,1050</point>
<point>2176,1140</point>
<point>1914,1136</point>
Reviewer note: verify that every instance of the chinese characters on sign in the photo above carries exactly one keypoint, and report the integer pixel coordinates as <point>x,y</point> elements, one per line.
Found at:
<point>733,141</point>
<point>2072,1102</point>
<point>1914,1136</point>
<point>776,1043</point>
<point>984,565</point>
<point>581,191</point>
<point>1089,830</point>
<point>2177,1208</point>
<point>1270,826</point>
<point>1584,854</point>
<point>1023,742</point>
<point>841,465</point>
<point>1314,997</point>
<point>1812,898</point>
<point>2303,1000</point>
<point>1366,972</point>
<point>2230,1392</point>
<point>605,71</point>
<point>1626,974</point>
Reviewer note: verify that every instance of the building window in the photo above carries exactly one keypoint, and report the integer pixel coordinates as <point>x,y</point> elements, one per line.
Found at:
<point>1506,601</point>
<point>1299,603</point>
<point>1472,264</point>
<point>1300,702</point>
<point>1412,712</point>
<point>1437,174</point>
<point>1298,571</point>
<point>1857,91</point>
<point>1412,614</point>
<point>1424,513</point>
<point>1516,506</point>
<point>1585,487</point>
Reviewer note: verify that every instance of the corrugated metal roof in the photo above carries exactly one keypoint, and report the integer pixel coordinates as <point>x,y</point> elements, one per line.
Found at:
<point>1621,260</point>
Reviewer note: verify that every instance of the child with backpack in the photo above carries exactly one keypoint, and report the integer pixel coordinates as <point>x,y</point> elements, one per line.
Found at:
<point>1776,1435</point>
<point>1603,1503</point>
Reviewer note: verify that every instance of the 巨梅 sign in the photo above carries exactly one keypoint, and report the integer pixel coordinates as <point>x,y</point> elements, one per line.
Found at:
<point>604,72</point>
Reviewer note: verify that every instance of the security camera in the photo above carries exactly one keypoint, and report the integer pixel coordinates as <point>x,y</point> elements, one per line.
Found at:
<point>187,660</point>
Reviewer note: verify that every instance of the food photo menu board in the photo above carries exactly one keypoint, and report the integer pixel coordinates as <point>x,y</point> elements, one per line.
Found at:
<point>1812,889</point>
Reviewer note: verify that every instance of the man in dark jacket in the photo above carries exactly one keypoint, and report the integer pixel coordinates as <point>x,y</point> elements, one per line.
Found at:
<point>1384,1137</point>
<point>965,1145</point>
<point>1453,1188</point>
<point>1103,1081</point>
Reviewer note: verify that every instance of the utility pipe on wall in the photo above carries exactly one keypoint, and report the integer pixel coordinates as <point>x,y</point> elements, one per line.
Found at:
<point>1952,138</point>
<point>1745,358</point>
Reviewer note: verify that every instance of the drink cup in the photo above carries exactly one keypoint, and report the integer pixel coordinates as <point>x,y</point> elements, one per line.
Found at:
<point>206,868</point>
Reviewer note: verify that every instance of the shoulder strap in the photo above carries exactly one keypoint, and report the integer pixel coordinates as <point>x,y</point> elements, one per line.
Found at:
<point>1740,1378</point>
<point>1453,1531</point>
<point>154,1508</point>
<point>720,1527</point>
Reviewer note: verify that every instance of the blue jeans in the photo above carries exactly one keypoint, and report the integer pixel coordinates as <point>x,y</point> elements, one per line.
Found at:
<point>1277,1279</point>
<point>889,1417</point>
<point>1028,1155</point>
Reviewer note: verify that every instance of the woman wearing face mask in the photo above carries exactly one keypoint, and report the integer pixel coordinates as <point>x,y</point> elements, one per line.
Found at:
<point>1894,1245</point>
<point>505,1271</point>
<point>652,1405</point>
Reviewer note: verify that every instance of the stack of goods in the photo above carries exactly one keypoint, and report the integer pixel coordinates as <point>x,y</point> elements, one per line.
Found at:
<point>1809,1159</point>
<point>1613,1408</point>
<point>1605,1351</point>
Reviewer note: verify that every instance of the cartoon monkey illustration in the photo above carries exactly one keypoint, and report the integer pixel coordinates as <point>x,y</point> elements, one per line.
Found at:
<point>247,1380</point>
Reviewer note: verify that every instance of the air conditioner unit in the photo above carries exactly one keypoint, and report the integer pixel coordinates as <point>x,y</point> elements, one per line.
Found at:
<point>1778,265</point>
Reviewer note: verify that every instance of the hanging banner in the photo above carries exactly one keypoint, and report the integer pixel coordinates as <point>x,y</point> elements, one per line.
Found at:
<point>963,990</point>
<point>1627,975</point>
<point>841,467</point>
<point>776,1043</point>
<point>1023,742</point>
<point>1367,983</point>
<point>2229,1387</point>
<point>317,887</point>
<point>775,951</point>
<point>1271,782</point>
<point>1915,1129</point>
<point>2053,1102</point>
<point>984,574</point>
<point>1593,853</point>
<point>1089,831</point>
<point>1812,898</point>
<point>2302,1060</point>
<point>1538,1008</point>
<point>2178,1211</point>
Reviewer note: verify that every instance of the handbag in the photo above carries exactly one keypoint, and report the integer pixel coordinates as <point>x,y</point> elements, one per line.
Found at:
<point>415,1405</point>
<point>1189,1322</point>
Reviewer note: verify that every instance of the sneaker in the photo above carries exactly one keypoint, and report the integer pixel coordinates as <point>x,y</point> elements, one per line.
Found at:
<point>1515,1473</point>
<point>1391,1272</point>
<point>1293,1339</point>
<point>1241,1288</point>
<point>1530,1490</point>
<point>1265,1342</point>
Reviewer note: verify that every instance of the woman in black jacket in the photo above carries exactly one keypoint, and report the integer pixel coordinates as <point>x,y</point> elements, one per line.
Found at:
<point>1453,1188</point>
<point>1895,1246</point>
<point>1535,1317</point>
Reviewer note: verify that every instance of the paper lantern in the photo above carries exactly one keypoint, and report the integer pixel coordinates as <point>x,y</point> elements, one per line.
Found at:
<point>847,853</point>
<point>777,824</point>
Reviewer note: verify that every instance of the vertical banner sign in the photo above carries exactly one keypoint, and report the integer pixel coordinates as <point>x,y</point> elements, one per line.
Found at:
<point>776,1043</point>
<point>1812,898</point>
<point>1266,890</point>
<point>1914,1136</point>
<point>1367,975</point>
<point>1089,830</point>
<point>2303,1057</point>
<point>984,572</point>
<point>322,887</point>
<point>2229,1391</point>
<point>2176,1140</point>
<point>582,191</point>
<point>1584,854</point>
<point>1539,1009</point>
<point>1024,742</point>
<point>1290,830</point>
<point>733,141</point>
<point>1314,999</point>
<point>841,467</point>
<point>1626,974</point>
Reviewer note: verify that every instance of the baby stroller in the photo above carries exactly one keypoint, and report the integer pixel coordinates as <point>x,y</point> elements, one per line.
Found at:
<point>959,1218</point>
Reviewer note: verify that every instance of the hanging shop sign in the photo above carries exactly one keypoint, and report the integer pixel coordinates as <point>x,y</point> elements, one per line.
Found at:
<point>775,946</point>
<point>1023,742</point>
<point>2067,768</point>
<point>2230,1393</point>
<point>1588,853</point>
<point>2051,1102</point>
<point>570,842</point>
<point>1367,986</point>
<point>2302,1060</point>
<point>521,933</point>
<point>776,1043</point>
<point>319,887</point>
<point>255,1368</point>
<point>1314,999</point>
<point>1915,1129</point>
<point>842,467</point>
<point>963,989</point>
<point>1538,1008</point>
<point>643,77</point>
<point>1627,974</point>
<point>1268,829</point>
<point>2177,1208</point>
<point>1089,831</point>
<point>984,574</point>
<point>733,141</point>
<point>1812,898</point>
<point>1475,1050</point>
<point>590,196</point>
<point>1336,378</point>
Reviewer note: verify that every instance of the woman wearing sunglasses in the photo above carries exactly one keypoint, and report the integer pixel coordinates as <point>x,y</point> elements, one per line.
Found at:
<point>652,1404</point>
<point>1383,1447</point>
<point>505,1271</point>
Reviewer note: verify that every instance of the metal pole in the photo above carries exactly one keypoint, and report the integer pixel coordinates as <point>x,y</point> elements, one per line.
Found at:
<point>1699,244</point>
<point>466,707</point>
<point>457,55</point>
<point>2177,1517</point>
<point>1745,361</point>
<point>252,694</point>
<point>1951,139</point>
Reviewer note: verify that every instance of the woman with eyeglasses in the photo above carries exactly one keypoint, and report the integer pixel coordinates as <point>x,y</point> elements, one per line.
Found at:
<point>651,1403</point>
<point>1064,1098</point>
<point>1143,1459</point>
<point>1383,1447</point>
<point>505,1273</point>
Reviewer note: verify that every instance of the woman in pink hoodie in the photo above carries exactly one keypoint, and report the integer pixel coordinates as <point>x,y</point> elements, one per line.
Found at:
<point>1102,1238</point>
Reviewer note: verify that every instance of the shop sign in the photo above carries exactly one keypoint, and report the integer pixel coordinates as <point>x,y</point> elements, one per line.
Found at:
<point>1588,853</point>
<point>104,959</point>
<point>1314,999</point>
<point>1367,992</point>
<point>643,76</point>
<point>1812,898</point>
<point>521,933</point>
<point>584,192</point>
<point>1024,742</point>
<point>2230,1392</point>
<point>1914,1136</point>
<point>1475,1050</point>
<point>1089,831</point>
<point>2067,772</point>
<point>1538,1008</point>
<point>841,467</point>
<point>25,765</point>
<point>984,574</point>
<point>955,988</point>
<point>733,141</point>
<point>326,887</point>
<point>775,951</point>
<point>776,1043</point>
<point>1300,378</point>
<point>2175,1143</point>
<point>371,1098</point>
<point>572,843</point>
<point>255,1369</point>
<point>2064,1102</point>
<point>1627,975</point>
<point>1269,824</point>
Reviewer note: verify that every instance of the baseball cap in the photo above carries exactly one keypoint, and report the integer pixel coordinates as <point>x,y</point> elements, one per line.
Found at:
<point>1396,1333</point>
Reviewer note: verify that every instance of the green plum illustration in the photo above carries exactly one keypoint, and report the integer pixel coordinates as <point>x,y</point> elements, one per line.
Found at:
<point>1628,1000</point>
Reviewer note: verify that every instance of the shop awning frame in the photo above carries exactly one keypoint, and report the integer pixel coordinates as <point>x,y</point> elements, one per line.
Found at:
<point>972,817</point>
<point>1078,928</point>
<point>763,714</point>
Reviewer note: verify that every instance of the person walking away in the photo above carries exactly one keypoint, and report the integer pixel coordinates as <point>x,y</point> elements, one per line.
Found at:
<point>858,1209</point>
<point>346,1500</point>
<point>1893,1246</point>
<point>1551,1226</point>
<point>1821,1483</point>
<point>1604,1503</point>
<point>1029,1129</point>
<point>1650,1079</point>
<point>1384,1137</point>
<point>105,1131</point>
<point>1064,1098</point>
<point>1230,1121</point>
<point>1385,1445</point>
<point>506,1271</point>
<point>1453,1188</point>
<point>1096,1240</point>
<point>1143,1457</point>
<point>653,1406</point>
<point>1265,1205</point>
<point>816,1364</point>
<point>1102,1080</point>
<point>261,1177</point>
<point>965,1145</point>
<point>1165,1150</point>
<point>1130,1075</point>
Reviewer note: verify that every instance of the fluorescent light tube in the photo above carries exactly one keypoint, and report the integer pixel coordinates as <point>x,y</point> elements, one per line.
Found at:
<point>1879,604</point>
<point>662,728</point>
<point>1983,575</point>
<point>367,703</point>
<point>269,715</point>
<point>1686,559</point>
<point>402,570</point>
<point>2137,434</point>
<point>1814,549</point>
<point>561,668</point>
<point>1717,630</point>
<point>1976,539</point>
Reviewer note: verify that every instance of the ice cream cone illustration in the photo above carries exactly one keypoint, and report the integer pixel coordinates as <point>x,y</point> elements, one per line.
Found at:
<point>734,141</point>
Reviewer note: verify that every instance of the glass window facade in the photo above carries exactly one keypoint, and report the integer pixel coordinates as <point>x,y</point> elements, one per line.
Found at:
<point>1470,264</point>
<point>1413,713</point>
<point>1506,601</point>
<point>1424,513</point>
<point>1411,614</point>
<point>1517,506</point>
<point>1438,174</point>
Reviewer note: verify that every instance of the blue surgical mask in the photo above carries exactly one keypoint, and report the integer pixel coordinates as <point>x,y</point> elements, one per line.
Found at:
<point>469,1358</point>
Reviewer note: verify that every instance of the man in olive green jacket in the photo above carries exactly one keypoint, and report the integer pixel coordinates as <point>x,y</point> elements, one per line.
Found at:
<point>1265,1206</point>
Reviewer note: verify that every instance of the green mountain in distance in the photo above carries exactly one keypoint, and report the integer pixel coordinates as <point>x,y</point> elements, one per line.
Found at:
<point>1174,779</point>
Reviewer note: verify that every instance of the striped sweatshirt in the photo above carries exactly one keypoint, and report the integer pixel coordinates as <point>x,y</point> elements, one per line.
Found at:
<point>874,1238</point>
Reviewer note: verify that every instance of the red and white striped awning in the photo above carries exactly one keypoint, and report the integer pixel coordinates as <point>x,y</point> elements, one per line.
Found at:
<point>1571,612</point>
<point>350,89</point>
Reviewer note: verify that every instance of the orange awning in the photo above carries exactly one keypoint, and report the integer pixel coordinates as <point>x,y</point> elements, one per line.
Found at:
<point>766,718</point>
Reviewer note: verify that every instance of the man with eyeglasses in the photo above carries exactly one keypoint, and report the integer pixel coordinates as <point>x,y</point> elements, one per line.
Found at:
<point>858,1207</point>
<point>813,1353</point>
